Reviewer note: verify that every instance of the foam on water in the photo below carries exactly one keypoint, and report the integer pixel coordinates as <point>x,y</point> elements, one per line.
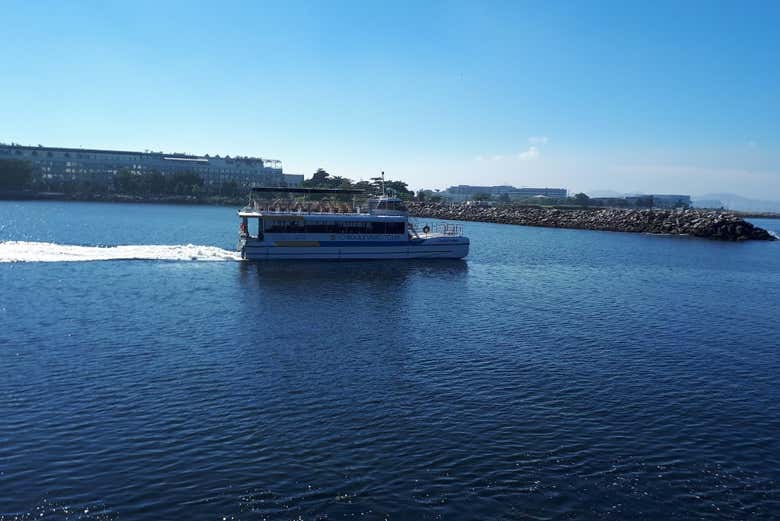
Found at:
<point>23,251</point>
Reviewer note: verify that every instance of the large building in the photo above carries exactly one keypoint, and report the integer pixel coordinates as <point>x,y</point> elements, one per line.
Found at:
<point>67,165</point>
<point>554,193</point>
<point>660,201</point>
<point>714,204</point>
<point>643,201</point>
<point>466,192</point>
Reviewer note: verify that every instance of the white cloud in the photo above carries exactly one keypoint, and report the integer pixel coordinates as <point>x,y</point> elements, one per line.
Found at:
<point>533,152</point>
<point>528,155</point>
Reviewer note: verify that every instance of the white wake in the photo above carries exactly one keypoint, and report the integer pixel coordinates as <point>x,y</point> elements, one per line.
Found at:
<point>22,251</point>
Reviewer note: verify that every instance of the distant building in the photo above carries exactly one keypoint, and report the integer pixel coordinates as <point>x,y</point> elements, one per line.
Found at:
<point>466,192</point>
<point>614,202</point>
<point>659,201</point>
<point>708,203</point>
<point>64,165</point>
<point>671,201</point>
<point>553,193</point>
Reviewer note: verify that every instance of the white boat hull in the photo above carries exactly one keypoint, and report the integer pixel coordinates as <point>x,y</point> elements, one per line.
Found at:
<point>432,248</point>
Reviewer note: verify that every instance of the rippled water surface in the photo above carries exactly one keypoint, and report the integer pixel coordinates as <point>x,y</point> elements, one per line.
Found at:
<point>555,374</point>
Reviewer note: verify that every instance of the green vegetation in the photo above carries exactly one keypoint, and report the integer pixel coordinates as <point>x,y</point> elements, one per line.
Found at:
<point>15,174</point>
<point>322,179</point>
<point>582,199</point>
<point>21,175</point>
<point>154,183</point>
<point>644,201</point>
<point>430,196</point>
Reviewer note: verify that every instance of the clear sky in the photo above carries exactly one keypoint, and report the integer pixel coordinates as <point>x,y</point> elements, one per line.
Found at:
<point>629,96</point>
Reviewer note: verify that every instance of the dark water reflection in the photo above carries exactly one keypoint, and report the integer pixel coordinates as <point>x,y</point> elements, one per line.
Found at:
<point>393,274</point>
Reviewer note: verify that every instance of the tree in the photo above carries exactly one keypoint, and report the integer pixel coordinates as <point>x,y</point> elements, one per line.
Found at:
<point>183,183</point>
<point>399,189</point>
<point>15,174</point>
<point>582,199</point>
<point>645,201</point>
<point>156,182</point>
<point>366,186</point>
<point>395,188</point>
<point>125,182</point>
<point>504,198</point>
<point>320,177</point>
<point>230,188</point>
<point>339,182</point>
<point>481,196</point>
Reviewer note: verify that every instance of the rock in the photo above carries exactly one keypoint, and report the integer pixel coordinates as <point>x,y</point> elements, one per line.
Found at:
<point>694,222</point>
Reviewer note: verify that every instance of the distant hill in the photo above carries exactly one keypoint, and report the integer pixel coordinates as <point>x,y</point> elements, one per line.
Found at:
<point>604,193</point>
<point>729,201</point>
<point>742,204</point>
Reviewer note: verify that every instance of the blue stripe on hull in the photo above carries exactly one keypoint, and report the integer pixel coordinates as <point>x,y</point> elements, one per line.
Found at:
<point>406,252</point>
<point>434,247</point>
<point>374,244</point>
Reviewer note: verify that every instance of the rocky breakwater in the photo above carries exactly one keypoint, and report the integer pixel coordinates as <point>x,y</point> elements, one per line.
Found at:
<point>709,224</point>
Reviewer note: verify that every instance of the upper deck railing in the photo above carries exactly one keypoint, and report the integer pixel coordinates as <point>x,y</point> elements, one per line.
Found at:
<point>447,229</point>
<point>306,207</point>
<point>294,200</point>
<point>325,201</point>
<point>301,190</point>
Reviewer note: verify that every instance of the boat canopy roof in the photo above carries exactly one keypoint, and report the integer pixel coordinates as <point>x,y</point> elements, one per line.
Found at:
<point>317,216</point>
<point>283,202</point>
<point>298,190</point>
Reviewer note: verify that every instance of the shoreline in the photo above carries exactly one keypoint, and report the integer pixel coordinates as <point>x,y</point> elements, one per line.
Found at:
<point>708,224</point>
<point>191,200</point>
<point>720,225</point>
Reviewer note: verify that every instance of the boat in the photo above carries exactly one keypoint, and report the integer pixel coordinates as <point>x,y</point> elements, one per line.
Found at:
<point>292,226</point>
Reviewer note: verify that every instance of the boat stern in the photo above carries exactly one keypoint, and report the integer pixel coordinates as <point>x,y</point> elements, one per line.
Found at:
<point>443,247</point>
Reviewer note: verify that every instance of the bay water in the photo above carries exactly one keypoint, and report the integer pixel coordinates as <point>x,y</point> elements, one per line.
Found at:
<point>552,374</point>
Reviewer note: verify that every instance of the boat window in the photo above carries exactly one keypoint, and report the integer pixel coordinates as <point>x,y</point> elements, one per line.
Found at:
<point>257,228</point>
<point>378,227</point>
<point>386,227</point>
<point>284,226</point>
<point>280,225</point>
<point>320,227</point>
<point>395,227</point>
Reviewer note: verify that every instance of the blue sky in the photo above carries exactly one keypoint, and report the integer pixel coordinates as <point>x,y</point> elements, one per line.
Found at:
<point>663,97</point>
